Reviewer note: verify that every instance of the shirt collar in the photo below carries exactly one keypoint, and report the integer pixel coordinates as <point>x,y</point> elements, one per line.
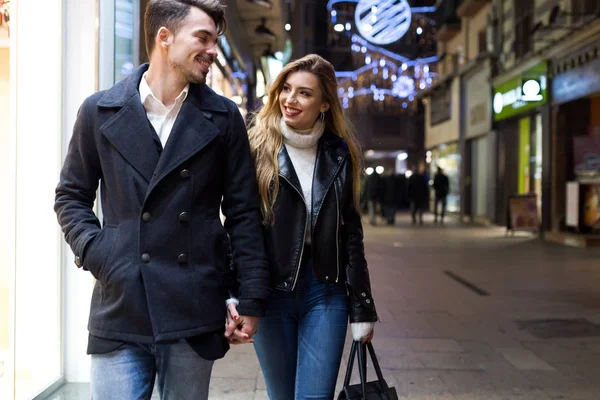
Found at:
<point>146,91</point>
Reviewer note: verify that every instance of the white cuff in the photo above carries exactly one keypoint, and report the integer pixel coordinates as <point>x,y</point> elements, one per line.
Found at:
<point>232,300</point>
<point>361,330</point>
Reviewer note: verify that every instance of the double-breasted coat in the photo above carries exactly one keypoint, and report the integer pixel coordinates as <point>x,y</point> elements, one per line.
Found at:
<point>161,255</point>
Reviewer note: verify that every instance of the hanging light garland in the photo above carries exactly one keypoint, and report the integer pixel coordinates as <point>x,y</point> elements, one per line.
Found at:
<point>386,77</point>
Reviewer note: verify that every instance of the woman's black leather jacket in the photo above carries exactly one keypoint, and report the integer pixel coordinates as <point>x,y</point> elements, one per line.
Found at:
<point>337,248</point>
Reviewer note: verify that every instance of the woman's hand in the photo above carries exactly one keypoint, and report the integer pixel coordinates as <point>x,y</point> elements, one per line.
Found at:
<point>362,331</point>
<point>239,329</point>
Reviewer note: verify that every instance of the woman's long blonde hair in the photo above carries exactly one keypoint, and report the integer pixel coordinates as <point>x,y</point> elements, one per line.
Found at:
<point>266,138</point>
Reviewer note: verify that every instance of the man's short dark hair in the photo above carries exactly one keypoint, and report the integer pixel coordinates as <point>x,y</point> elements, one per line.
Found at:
<point>171,13</point>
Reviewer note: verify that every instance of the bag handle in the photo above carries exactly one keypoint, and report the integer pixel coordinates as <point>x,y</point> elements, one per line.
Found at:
<point>382,381</point>
<point>351,359</point>
<point>362,368</point>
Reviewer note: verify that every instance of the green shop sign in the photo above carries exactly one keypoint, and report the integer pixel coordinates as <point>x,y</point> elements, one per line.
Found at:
<point>520,94</point>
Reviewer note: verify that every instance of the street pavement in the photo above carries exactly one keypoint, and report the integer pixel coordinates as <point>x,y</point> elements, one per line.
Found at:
<point>451,299</point>
<point>466,313</point>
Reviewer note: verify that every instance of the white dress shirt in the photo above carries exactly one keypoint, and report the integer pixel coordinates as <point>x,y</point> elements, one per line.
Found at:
<point>161,117</point>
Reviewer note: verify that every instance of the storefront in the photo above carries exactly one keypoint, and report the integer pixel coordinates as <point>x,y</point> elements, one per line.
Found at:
<point>576,112</point>
<point>479,160</point>
<point>442,127</point>
<point>30,245</point>
<point>448,158</point>
<point>44,298</point>
<point>519,105</point>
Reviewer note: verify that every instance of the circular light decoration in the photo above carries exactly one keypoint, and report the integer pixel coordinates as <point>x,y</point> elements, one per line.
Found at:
<point>404,86</point>
<point>392,20</point>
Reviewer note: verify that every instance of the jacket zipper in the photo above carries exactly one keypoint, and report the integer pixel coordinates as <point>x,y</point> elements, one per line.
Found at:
<point>337,234</point>
<point>303,233</point>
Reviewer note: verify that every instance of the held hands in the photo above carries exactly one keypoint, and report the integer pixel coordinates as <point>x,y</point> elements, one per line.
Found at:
<point>239,329</point>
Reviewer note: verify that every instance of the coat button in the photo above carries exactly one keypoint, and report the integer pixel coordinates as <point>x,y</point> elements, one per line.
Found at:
<point>363,294</point>
<point>182,259</point>
<point>184,217</point>
<point>146,216</point>
<point>326,278</point>
<point>78,261</point>
<point>146,258</point>
<point>185,173</point>
<point>368,301</point>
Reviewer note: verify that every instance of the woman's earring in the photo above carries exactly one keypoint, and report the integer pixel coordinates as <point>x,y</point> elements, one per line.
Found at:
<point>322,117</point>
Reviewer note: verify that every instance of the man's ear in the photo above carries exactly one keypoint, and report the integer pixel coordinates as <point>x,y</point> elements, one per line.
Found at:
<point>164,37</point>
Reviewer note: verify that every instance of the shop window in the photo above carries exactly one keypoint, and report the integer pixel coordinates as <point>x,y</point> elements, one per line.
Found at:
<point>482,42</point>
<point>523,24</point>
<point>584,8</point>
<point>441,107</point>
<point>5,233</point>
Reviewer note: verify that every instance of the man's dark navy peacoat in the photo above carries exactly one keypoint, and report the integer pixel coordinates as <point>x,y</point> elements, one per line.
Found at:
<point>161,255</point>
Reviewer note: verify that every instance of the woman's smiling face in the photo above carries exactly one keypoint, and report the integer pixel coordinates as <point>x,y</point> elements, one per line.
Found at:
<point>301,100</point>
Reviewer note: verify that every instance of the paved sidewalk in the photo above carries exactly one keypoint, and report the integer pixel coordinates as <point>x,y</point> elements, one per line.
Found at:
<point>454,302</point>
<point>439,339</point>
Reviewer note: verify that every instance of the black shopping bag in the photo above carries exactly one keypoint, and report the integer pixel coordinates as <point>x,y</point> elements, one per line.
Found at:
<point>376,390</point>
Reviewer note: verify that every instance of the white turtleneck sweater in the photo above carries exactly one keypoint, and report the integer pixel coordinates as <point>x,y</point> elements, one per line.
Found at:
<point>301,146</point>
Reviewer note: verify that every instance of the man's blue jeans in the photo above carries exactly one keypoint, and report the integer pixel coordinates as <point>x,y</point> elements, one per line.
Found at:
<point>301,339</point>
<point>129,372</point>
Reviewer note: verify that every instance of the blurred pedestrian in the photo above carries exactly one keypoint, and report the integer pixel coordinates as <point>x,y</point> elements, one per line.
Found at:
<point>390,197</point>
<point>373,194</point>
<point>308,166</point>
<point>167,152</point>
<point>417,194</point>
<point>441,185</point>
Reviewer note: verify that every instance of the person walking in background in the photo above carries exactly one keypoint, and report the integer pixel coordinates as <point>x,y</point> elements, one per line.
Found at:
<point>373,193</point>
<point>308,166</point>
<point>390,197</point>
<point>167,152</point>
<point>441,185</point>
<point>417,194</point>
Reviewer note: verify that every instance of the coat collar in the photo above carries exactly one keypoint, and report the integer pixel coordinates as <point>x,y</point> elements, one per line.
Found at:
<point>123,91</point>
<point>129,129</point>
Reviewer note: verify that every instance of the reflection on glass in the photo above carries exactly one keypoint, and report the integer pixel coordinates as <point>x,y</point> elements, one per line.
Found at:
<point>448,158</point>
<point>538,163</point>
<point>124,26</point>
<point>5,327</point>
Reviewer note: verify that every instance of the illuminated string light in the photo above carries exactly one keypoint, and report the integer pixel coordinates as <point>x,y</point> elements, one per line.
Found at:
<point>378,59</point>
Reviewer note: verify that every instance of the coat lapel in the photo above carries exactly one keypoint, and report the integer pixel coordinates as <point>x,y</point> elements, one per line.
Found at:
<point>331,155</point>
<point>287,171</point>
<point>192,131</point>
<point>129,130</point>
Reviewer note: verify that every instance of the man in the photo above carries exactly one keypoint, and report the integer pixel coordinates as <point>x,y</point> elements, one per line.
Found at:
<point>441,185</point>
<point>417,194</point>
<point>166,149</point>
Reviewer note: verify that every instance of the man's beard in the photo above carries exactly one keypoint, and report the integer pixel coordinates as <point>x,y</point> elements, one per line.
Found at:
<point>187,75</point>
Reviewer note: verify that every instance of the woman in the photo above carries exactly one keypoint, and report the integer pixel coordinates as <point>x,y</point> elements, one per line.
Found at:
<point>308,169</point>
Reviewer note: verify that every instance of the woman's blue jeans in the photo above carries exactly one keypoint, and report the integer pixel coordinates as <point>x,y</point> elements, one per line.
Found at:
<point>301,339</point>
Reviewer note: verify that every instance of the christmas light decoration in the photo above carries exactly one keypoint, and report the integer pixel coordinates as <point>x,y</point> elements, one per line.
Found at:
<point>386,78</point>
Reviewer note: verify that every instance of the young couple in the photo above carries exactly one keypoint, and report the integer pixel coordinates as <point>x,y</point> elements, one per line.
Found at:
<point>168,153</point>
